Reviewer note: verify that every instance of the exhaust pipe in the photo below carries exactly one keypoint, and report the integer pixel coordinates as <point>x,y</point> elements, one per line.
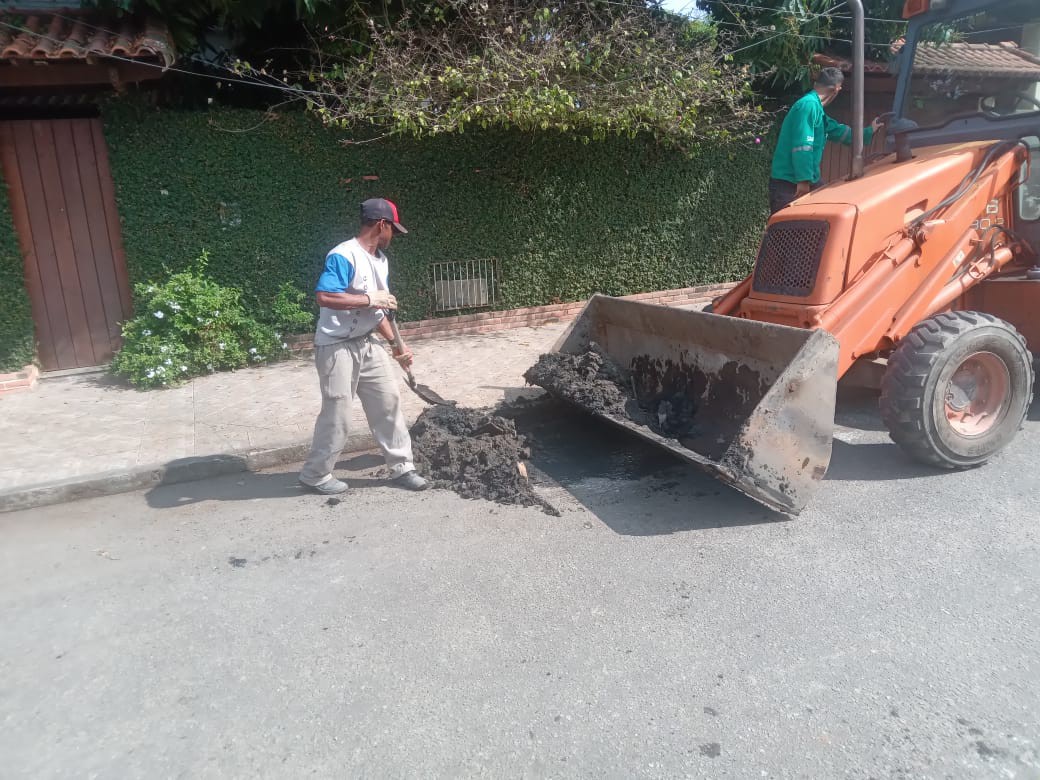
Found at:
<point>858,68</point>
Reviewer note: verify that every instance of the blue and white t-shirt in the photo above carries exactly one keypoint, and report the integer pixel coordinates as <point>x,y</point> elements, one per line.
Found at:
<point>349,268</point>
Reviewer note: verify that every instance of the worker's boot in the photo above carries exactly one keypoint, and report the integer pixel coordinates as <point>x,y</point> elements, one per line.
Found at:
<point>411,480</point>
<point>330,487</point>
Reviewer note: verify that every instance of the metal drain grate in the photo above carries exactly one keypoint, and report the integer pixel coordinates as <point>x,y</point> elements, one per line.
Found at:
<point>466,284</point>
<point>790,257</point>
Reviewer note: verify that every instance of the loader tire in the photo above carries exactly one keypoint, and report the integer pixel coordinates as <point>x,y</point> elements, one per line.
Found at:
<point>957,389</point>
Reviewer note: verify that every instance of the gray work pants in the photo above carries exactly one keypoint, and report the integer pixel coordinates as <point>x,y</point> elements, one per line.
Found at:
<point>357,368</point>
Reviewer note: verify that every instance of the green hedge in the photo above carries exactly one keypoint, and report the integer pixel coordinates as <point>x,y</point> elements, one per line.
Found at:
<point>268,199</point>
<point>16,324</point>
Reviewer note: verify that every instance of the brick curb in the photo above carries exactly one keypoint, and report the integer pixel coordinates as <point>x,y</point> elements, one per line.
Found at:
<point>19,381</point>
<point>485,322</point>
<point>182,470</point>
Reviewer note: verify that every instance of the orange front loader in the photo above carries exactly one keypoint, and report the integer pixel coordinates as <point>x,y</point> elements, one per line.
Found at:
<point>921,263</point>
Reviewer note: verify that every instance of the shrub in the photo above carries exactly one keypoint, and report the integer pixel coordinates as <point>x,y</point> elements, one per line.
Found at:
<point>190,325</point>
<point>287,313</point>
<point>17,337</point>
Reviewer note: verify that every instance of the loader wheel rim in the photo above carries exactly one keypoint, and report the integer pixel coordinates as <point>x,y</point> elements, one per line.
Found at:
<point>977,394</point>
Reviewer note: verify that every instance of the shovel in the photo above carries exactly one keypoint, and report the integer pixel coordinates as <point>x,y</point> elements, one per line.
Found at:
<point>422,391</point>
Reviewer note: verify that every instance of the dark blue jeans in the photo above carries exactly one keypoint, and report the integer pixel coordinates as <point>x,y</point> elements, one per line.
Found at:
<point>782,193</point>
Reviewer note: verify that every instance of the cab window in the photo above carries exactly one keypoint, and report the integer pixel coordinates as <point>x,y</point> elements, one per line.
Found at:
<point>980,64</point>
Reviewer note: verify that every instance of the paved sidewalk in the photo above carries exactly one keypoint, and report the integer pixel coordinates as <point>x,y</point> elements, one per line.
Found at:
<point>74,429</point>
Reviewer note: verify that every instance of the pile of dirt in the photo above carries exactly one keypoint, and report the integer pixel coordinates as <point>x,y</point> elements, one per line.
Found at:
<point>475,452</point>
<point>590,380</point>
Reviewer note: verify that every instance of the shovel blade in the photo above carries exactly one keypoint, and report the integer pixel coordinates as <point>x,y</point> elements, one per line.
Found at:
<point>429,395</point>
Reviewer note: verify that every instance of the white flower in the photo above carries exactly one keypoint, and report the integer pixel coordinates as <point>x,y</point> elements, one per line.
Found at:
<point>216,313</point>
<point>159,315</point>
<point>175,306</point>
<point>209,366</point>
<point>168,362</point>
<point>151,288</point>
<point>160,370</point>
<point>199,319</point>
<point>284,345</point>
<point>277,335</point>
<point>162,348</point>
<point>146,332</point>
<point>252,350</point>
<point>184,368</point>
<point>150,373</point>
<point>221,345</point>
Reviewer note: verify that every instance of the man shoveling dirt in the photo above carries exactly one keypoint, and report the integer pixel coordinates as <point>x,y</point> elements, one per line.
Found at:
<point>354,299</point>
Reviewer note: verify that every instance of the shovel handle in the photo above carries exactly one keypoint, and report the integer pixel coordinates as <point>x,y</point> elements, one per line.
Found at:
<point>399,343</point>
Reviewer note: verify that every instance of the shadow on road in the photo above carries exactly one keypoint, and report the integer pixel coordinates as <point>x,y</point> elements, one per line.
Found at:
<point>858,408</point>
<point>245,486</point>
<point>1034,410</point>
<point>633,487</point>
<point>872,461</point>
<point>249,485</point>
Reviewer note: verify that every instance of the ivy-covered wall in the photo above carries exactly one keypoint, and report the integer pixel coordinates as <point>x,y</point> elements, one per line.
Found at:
<point>268,197</point>
<point>16,324</point>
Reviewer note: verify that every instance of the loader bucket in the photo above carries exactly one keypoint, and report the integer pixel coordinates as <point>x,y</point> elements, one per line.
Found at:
<point>761,396</point>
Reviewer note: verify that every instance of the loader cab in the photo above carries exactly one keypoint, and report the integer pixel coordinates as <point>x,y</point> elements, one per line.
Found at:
<point>969,71</point>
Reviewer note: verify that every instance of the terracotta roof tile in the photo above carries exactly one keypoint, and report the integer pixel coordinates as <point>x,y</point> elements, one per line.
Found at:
<point>67,36</point>
<point>1002,60</point>
<point>834,61</point>
<point>985,60</point>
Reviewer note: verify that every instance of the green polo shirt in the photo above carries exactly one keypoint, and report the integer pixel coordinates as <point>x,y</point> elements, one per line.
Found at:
<point>803,135</point>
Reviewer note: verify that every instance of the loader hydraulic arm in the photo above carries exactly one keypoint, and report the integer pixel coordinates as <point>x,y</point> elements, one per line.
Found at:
<point>939,257</point>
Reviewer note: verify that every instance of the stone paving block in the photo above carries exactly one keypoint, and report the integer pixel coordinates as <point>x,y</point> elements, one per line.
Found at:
<point>212,439</point>
<point>19,476</point>
<point>154,451</point>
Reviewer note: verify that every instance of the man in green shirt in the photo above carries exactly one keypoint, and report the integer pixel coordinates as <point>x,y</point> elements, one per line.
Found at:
<point>803,135</point>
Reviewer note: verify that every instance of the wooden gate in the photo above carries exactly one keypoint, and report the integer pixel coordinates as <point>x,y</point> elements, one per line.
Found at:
<point>63,204</point>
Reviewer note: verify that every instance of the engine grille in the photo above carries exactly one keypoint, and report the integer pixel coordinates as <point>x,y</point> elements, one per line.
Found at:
<point>790,257</point>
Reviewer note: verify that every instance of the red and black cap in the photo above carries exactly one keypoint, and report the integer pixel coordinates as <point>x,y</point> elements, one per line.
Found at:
<point>375,209</point>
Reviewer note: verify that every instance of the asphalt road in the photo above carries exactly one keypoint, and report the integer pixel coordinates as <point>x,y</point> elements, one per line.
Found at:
<point>664,626</point>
